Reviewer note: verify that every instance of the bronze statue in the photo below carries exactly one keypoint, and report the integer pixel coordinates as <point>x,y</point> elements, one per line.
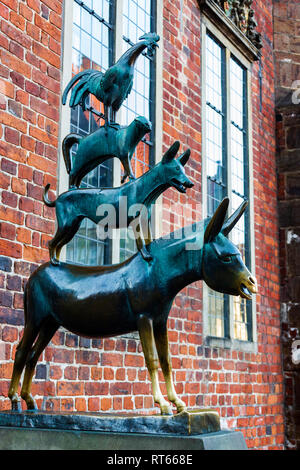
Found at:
<point>113,86</point>
<point>75,205</point>
<point>104,143</point>
<point>107,301</point>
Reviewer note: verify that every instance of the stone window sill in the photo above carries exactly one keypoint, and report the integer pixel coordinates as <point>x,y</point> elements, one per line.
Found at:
<point>233,344</point>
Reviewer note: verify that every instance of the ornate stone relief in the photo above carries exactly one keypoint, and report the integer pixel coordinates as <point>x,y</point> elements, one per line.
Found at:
<point>242,15</point>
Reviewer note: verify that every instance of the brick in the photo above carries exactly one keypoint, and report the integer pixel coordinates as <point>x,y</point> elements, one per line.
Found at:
<point>11,215</point>
<point>45,54</point>
<point>13,283</point>
<point>37,223</point>
<point>47,27</point>
<point>14,63</point>
<point>96,388</point>
<point>120,388</point>
<point>9,248</point>
<point>12,121</point>
<point>70,388</point>
<point>12,136</point>
<point>7,89</point>
<point>42,79</point>
<point>7,231</point>
<point>9,199</point>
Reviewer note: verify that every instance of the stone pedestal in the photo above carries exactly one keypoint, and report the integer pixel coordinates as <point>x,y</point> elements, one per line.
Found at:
<point>193,430</point>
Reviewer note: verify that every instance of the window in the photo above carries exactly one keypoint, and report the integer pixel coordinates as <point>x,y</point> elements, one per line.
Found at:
<point>138,18</point>
<point>95,31</point>
<point>92,48</point>
<point>226,154</point>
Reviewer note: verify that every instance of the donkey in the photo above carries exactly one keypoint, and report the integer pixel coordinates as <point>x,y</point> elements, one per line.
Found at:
<point>104,143</point>
<point>75,205</point>
<point>132,296</point>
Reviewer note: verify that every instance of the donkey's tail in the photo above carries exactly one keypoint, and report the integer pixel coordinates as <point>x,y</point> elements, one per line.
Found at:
<point>45,197</point>
<point>67,144</point>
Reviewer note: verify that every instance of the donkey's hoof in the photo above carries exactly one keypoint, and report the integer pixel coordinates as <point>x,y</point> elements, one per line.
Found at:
<point>166,410</point>
<point>16,406</point>
<point>180,409</point>
<point>30,403</point>
<point>54,261</point>
<point>180,405</point>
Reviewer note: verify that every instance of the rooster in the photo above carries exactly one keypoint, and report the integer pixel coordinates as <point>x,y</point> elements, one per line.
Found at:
<point>113,86</point>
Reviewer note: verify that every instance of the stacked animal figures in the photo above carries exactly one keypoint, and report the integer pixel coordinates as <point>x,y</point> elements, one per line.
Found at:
<point>136,295</point>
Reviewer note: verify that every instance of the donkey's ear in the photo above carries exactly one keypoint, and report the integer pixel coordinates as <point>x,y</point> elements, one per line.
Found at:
<point>171,153</point>
<point>216,223</point>
<point>184,157</point>
<point>233,220</point>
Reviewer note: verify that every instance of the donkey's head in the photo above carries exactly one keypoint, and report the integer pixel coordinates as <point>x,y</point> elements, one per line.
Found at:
<point>174,173</point>
<point>223,267</point>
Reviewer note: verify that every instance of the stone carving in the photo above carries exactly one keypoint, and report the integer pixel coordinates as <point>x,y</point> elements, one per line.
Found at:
<point>241,14</point>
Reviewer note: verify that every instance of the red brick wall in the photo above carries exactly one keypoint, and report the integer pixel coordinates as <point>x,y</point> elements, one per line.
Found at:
<point>245,388</point>
<point>30,63</point>
<point>79,374</point>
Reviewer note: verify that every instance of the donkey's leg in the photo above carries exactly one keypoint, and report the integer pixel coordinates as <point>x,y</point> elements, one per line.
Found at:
<point>145,328</point>
<point>162,345</point>
<point>22,351</point>
<point>47,331</point>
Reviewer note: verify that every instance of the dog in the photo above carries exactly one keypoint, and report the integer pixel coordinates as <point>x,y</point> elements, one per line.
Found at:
<point>104,143</point>
<point>77,204</point>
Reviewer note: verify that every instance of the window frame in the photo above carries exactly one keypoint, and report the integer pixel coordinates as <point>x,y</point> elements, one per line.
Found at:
<point>65,111</point>
<point>229,342</point>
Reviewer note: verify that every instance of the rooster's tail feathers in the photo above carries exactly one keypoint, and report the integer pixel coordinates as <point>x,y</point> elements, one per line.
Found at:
<point>81,77</point>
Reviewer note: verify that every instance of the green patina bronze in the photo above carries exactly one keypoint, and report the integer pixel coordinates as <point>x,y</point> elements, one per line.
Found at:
<point>104,143</point>
<point>132,296</point>
<point>113,86</point>
<point>136,295</point>
<point>75,205</point>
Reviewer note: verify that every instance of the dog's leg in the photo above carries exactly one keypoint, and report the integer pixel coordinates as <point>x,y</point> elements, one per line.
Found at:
<point>64,235</point>
<point>140,238</point>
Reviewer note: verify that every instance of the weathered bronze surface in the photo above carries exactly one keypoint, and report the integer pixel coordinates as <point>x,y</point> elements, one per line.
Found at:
<point>104,143</point>
<point>113,86</point>
<point>75,205</point>
<point>135,295</point>
<point>186,423</point>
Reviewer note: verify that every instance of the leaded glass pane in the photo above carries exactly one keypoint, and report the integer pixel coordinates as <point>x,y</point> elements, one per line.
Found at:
<point>215,161</point>
<point>239,167</point>
<point>137,20</point>
<point>91,49</point>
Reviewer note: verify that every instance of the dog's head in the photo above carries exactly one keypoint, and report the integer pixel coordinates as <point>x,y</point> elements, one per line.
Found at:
<point>174,171</point>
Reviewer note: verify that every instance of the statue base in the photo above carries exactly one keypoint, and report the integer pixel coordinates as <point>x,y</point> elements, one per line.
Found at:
<point>192,430</point>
